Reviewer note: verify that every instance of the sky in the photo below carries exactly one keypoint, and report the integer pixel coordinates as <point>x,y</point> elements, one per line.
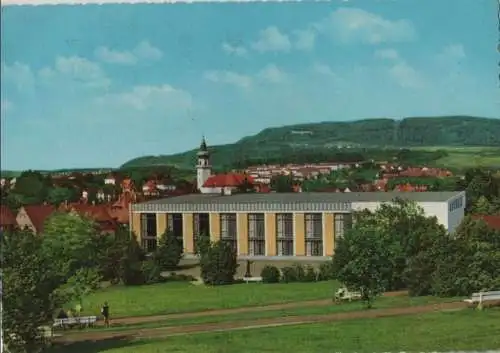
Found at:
<point>97,85</point>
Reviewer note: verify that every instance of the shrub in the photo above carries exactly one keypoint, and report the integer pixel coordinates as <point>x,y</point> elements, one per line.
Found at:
<point>300,272</point>
<point>179,277</point>
<point>151,272</point>
<point>270,274</point>
<point>218,263</point>
<point>169,251</point>
<point>310,274</point>
<point>288,274</point>
<point>326,271</point>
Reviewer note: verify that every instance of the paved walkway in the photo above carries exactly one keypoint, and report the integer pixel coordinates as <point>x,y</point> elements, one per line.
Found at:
<point>161,332</point>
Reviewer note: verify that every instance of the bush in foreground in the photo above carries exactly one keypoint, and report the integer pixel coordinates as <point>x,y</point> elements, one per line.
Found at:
<point>270,274</point>
<point>218,263</point>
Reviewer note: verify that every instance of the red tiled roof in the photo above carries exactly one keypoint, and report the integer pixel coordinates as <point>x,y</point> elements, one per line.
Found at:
<point>491,220</point>
<point>38,214</point>
<point>227,180</point>
<point>7,218</point>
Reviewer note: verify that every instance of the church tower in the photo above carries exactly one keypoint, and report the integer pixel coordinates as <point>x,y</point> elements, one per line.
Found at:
<point>203,167</point>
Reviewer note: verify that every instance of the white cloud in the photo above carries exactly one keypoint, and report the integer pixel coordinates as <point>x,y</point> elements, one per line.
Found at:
<point>229,77</point>
<point>144,50</point>
<point>115,57</point>
<point>451,54</point>
<point>18,74</point>
<point>351,25</point>
<point>75,70</point>
<point>390,54</point>
<point>406,76</point>
<point>323,69</point>
<point>234,49</point>
<point>304,39</point>
<point>271,73</point>
<point>271,39</point>
<point>163,98</point>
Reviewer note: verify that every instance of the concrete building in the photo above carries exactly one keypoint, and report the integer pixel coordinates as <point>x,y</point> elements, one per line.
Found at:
<point>275,225</point>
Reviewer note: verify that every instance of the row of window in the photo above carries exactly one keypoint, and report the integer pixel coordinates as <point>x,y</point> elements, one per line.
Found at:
<point>456,204</point>
<point>256,231</point>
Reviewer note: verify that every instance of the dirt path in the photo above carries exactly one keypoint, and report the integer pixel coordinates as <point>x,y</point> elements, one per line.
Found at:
<point>256,323</point>
<point>133,320</point>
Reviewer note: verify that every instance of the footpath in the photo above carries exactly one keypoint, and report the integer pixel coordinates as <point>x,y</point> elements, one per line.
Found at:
<point>159,332</point>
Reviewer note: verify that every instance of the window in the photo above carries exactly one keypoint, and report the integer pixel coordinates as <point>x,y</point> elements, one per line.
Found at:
<point>228,230</point>
<point>343,222</point>
<point>314,234</point>
<point>456,204</point>
<point>148,232</point>
<point>284,234</point>
<point>175,225</point>
<point>201,228</point>
<point>256,234</point>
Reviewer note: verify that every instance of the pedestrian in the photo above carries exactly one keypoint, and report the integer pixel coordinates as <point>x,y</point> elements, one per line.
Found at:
<point>105,313</point>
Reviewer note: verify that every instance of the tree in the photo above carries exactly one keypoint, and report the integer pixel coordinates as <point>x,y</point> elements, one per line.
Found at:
<point>31,187</point>
<point>362,258</point>
<point>169,252</point>
<point>58,195</point>
<point>81,284</point>
<point>218,263</point>
<point>29,290</point>
<point>70,241</point>
<point>282,183</point>
<point>482,206</point>
<point>131,270</point>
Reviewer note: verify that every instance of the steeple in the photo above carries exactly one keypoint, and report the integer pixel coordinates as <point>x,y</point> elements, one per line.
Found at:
<point>203,167</point>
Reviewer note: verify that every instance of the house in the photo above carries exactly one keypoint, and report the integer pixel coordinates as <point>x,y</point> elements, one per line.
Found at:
<point>226,183</point>
<point>7,219</point>
<point>98,213</point>
<point>34,217</point>
<point>276,225</point>
<point>492,221</point>
<point>110,179</point>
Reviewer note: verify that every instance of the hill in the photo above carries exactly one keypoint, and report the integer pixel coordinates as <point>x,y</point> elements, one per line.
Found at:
<point>343,140</point>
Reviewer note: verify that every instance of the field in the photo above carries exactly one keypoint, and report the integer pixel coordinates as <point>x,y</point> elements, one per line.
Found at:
<point>176,297</point>
<point>442,331</point>
<point>466,157</point>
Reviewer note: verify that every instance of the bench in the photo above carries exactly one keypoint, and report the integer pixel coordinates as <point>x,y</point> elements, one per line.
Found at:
<point>344,294</point>
<point>84,321</point>
<point>481,298</point>
<point>252,279</point>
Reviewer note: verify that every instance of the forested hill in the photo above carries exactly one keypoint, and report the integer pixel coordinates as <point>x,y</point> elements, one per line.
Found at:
<point>332,137</point>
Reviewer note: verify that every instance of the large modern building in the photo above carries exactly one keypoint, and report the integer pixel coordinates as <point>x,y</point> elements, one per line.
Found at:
<point>276,225</point>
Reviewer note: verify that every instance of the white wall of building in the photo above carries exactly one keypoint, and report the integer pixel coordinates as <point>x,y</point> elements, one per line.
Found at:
<point>440,210</point>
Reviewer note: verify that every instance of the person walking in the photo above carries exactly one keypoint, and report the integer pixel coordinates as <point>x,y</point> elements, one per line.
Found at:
<point>105,313</point>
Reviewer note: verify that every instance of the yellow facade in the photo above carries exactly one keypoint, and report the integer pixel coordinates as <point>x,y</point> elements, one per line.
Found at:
<point>328,233</point>
<point>187,232</point>
<point>135,225</point>
<point>214,226</point>
<point>242,227</point>
<point>242,222</point>
<point>161,224</point>
<point>299,241</point>
<point>270,226</point>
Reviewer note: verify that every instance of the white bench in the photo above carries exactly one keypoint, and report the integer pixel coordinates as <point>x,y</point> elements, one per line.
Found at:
<point>73,321</point>
<point>252,279</point>
<point>483,297</point>
<point>343,294</point>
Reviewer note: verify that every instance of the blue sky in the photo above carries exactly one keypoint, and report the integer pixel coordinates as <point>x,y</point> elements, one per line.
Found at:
<point>92,86</point>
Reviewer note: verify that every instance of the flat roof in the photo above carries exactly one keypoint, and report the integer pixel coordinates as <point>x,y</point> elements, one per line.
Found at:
<point>283,201</point>
<point>307,197</point>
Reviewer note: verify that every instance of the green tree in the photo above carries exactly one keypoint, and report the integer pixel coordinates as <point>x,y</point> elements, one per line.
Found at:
<point>169,252</point>
<point>282,183</point>
<point>31,188</point>
<point>131,270</point>
<point>218,263</point>
<point>482,206</point>
<point>29,295</point>
<point>81,284</point>
<point>70,241</point>
<point>58,195</point>
<point>362,258</point>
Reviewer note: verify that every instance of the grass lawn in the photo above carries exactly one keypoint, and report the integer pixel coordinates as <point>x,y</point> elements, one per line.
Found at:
<point>176,297</point>
<point>381,303</point>
<point>466,157</point>
<point>444,331</point>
